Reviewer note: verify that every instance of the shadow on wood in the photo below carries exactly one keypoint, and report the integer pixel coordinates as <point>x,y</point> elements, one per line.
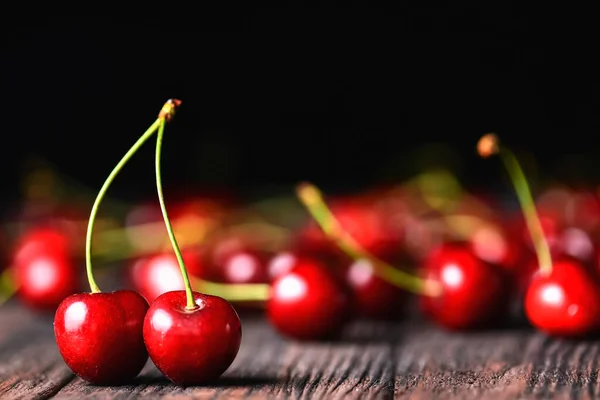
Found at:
<point>223,382</point>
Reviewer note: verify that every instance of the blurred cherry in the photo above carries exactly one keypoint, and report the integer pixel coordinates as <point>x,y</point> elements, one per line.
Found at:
<point>43,268</point>
<point>243,266</point>
<point>566,301</point>
<point>160,273</point>
<point>474,294</point>
<point>309,302</point>
<point>374,298</point>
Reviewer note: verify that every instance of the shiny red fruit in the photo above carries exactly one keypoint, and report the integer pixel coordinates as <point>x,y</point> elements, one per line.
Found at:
<point>243,266</point>
<point>192,347</point>
<point>309,302</point>
<point>43,269</point>
<point>158,274</point>
<point>99,335</point>
<point>375,298</point>
<point>41,241</point>
<point>281,263</point>
<point>474,293</point>
<point>566,302</point>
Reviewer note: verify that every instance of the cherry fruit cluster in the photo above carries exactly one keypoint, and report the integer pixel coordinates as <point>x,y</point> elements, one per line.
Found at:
<point>465,260</point>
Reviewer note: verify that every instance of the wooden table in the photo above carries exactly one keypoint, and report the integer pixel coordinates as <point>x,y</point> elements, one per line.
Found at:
<point>411,359</point>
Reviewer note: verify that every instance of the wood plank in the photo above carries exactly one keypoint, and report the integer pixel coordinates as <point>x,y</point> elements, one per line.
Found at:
<point>30,365</point>
<point>411,359</point>
<point>255,366</point>
<point>270,366</point>
<point>433,363</point>
<point>506,364</point>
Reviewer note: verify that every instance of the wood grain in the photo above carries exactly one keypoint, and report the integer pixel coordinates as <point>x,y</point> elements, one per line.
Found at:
<point>411,359</point>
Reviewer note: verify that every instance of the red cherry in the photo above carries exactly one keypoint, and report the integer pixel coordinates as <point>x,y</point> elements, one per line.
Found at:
<point>99,335</point>
<point>45,281</point>
<point>41,241</point>
<point>281,263</point>
<point>158,274</point>
<point>43,269</point>
<point>243,266</point>
<point>577,243</point>
<point>374,297</point>
<point>496,246</point>
<point>474,292</point>
<point>309,302</point>
<point>192,347</point>
<point>566,302</point>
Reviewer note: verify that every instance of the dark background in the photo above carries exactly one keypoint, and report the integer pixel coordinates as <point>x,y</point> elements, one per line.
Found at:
<point>347,98</point>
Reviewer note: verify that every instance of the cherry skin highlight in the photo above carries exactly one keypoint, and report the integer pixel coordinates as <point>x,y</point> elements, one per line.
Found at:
<point>43,269</point>
<point>41,241</point>
<point>566,302</point>
<point>160,273</point>
<point>192,347</point>
<point>243,266</point>
<point>309,302</point>
<point>474,292</point>
<point>45,281</point>
<point>99,335</point>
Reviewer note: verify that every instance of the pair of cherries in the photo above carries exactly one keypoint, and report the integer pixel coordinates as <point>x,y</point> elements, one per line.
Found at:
<point>107,338</point>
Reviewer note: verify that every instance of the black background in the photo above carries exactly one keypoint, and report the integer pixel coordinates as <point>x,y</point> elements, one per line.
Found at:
<point>345,97</point>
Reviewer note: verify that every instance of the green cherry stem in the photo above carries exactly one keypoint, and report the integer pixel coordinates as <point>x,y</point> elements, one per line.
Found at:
<point>88,240</point>
<point>312,198</point>
<point>191,303</point>
<point>7,285</point>
<point>231,292</point>
<point>489,145</point>
<point>234,291</point>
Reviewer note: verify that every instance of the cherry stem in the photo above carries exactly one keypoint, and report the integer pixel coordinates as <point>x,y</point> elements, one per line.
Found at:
<point>234,291</point>
<point>488,145</point>
<point>191,303</point>
<point>312,199</point>
<point>7,285</point>
<point>88,242</point>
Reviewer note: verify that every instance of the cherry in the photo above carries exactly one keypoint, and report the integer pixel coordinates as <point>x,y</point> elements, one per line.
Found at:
<point>45,281</point>
<point>158,274</point>
<point>563,297</point>
<point>192,338</point>
<point>281,263</point>
<point>577,243</point>
<point>374,297</point>
<point>99,335</point>
<point>474,292</point>
<point>309,302</point>
<point>243,266</point>
<point>41,240</point>
<point>43,270</point>
<point>566,302</point>
<point>366,289</point>
<point>494,244</point>
<point>192,346</point>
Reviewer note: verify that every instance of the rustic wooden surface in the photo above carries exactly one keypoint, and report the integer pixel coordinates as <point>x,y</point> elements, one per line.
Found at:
<point>410,359</point>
